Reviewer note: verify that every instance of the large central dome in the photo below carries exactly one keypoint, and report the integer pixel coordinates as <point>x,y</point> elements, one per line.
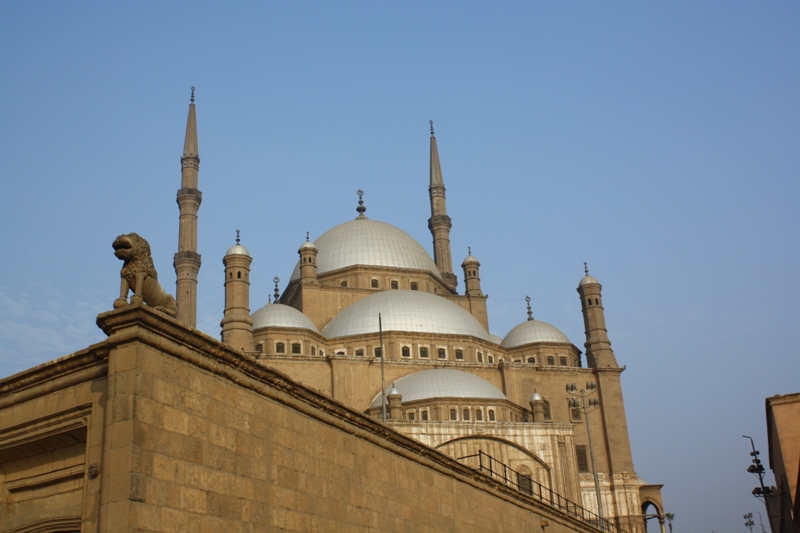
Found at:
<point>372,243</point>
<point>412,311</point>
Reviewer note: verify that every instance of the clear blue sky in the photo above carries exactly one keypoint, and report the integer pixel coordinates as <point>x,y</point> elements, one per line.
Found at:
<point>656,140</point>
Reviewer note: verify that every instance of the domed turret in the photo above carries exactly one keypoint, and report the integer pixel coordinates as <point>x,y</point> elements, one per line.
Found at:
<point>598,347</point>
<point>237,330</point>
<point>472,274</point>
<point>308,261</point>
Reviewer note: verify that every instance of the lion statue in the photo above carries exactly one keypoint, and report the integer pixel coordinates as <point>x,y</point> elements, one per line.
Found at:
<point>139,275</point>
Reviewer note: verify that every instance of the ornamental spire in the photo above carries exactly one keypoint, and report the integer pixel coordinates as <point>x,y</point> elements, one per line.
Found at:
<point>361,209</point>
<point>190,143</point>
<point>530,313</point>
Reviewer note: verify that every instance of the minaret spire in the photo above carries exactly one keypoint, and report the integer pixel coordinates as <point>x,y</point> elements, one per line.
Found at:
<point>187,260</point>
<point>440,223</point>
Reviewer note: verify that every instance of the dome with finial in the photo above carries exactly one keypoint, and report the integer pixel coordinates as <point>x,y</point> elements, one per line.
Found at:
<point>587,279</point>
<point>532,331</point>
<point>237,249</point>
<point>308,245</point>
<point>370,243</point>
<point>470,258</point>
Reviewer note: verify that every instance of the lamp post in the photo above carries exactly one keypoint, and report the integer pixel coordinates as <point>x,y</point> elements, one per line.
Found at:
<point>593,402</point>
<point>757,469</point>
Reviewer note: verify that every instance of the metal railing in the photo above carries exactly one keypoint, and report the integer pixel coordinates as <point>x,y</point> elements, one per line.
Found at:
<point>524,483</point>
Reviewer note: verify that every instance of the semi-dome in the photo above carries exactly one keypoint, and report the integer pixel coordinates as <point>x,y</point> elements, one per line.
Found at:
<point>283,316</point>
<point>534,331</point>
<point>413,311</point>
<point>369,242</point>
<point>442,383</point>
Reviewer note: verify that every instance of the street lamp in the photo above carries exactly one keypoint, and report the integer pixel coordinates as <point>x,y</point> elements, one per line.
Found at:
<point>757,469</point>
<point>593,403</point>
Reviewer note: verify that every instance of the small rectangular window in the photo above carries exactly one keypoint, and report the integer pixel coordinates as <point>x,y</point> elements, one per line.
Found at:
<point>413,285</point>
<point>406,351</point>
<point>374,283</point>
<point>423,353</point>
<point>394,284</point>
<point>460,354</point>
<point>441,353</point>
<point>583,460</point>
<point>377,352</point>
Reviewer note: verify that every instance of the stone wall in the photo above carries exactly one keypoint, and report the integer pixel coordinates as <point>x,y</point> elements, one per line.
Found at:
<point>172,431</point>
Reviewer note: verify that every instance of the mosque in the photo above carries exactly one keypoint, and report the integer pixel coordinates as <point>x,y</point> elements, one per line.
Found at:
<point>366,304</point>
<point>369,319</point>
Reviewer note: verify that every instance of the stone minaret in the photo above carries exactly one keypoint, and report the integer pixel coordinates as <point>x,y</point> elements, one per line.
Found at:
<point>237,326</point>
<point>187,260</point>
<point>598,347</point>
<point>439,223</point>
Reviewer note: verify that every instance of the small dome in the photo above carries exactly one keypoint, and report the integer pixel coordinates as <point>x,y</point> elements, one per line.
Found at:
<point>536,397</point>
<point>237,249</point>
<point>308,245</point>
<point>369,242</point>
<point>470,259</point>
<point>413,311</point>
<point>587,279</point>
<point>495,338</point>
<point>283,316</point>
<point>442,383</point>
<point>534,331</point>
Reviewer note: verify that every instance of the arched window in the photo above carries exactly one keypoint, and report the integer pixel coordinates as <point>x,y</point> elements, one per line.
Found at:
<point>575,414</point>
<point>465,414</point>
<point>280,348</point>
<point>260,348</point>
<point>423,353</point>
<point>359,353</point>
<point>313,350</point>
<point>524,480</point>
<point>377,351</point>
<point>562,361</point>
<point>297,348</point>
<point>546,406</point>
<point>491,415</point>
<point>480,357</point>
<point>239,275</point>
<point>551,360</point>
<point>413,285</point>
<point>374,283</point>
<point>532,360</point>
<point>453,414</point>
<point>478,415</point>
<point>406,351</point>
<point>394,284</point>
<point>441,353</point>
<point>343,284</point>
<point>460,354</point>
<point>424,416</point>
<point>411,416</point>
<point>491,359</point>
<point>340,353</point>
